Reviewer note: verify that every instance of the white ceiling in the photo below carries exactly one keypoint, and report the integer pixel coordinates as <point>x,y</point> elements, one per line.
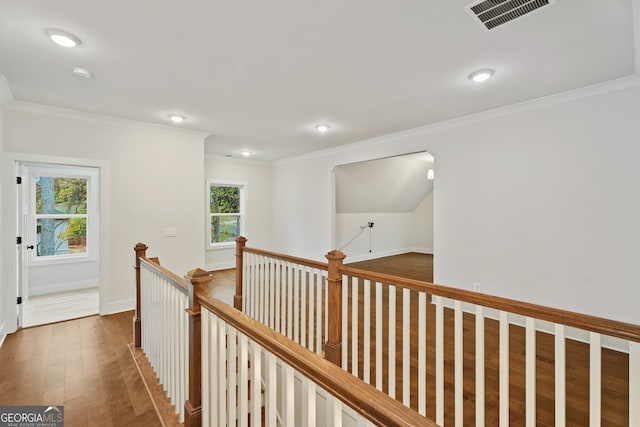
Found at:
<point>259,75</point>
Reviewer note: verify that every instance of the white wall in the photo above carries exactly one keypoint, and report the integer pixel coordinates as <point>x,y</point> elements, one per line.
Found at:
<point>537,202</point>
<point>421,235</point>
<point>257,179</point>
<point>390,235</point>
<point>153,176</point>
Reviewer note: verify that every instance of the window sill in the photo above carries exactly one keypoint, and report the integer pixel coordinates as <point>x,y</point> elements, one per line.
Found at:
<point>36,262</point>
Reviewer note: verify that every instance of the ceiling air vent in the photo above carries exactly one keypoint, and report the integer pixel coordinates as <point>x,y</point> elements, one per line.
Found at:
<point>493,13</point>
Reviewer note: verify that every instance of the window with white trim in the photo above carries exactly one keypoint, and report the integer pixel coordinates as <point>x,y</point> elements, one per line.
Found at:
<point>226,213</point>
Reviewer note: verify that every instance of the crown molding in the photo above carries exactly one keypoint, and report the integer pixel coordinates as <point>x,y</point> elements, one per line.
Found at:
<point>50,110</point>
<point>6,95</point>
<point>555,99</point>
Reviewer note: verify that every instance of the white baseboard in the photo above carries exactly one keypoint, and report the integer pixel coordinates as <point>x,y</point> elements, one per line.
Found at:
<point>423,250</point>
<point>51,288</point>
<point>220,266</point>
<point>118,306</point>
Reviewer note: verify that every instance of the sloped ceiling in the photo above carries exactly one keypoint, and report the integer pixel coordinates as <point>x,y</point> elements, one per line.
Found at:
<point>392,184</point>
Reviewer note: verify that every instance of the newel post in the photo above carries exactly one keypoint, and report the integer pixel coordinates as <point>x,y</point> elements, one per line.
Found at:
<point>333,346</point>
<point>241,241</point>
<point>141,252</point>
<point>199,281</point>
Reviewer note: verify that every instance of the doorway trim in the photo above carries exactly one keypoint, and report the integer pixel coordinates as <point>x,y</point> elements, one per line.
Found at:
<point>10,231</point>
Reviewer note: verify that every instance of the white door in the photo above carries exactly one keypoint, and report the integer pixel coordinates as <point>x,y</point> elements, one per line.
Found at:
<point>22,210</point>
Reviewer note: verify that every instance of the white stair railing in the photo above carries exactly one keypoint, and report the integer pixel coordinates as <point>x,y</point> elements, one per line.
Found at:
<point>231,393</point>
<point>287,294</point>
<point>165,335</point>
<point>401,306</point>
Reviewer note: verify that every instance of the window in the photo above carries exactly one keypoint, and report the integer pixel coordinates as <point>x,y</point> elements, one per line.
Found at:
<point>60,215</point>
<point>226,213</point>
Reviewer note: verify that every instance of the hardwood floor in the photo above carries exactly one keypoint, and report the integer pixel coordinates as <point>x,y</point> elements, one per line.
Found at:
<point>411,265</point>
<point>83,364</point>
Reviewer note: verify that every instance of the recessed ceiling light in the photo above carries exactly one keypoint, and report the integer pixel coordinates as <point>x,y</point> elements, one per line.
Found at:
<point>176,118</point>
<point>481,75</point>
<point>62,38</point>
<point>246,153</point>
<point>81,72</point>
<point>322,128</point>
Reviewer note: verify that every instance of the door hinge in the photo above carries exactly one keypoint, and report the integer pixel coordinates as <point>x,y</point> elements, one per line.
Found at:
<point>19,300</point>
<point>18,240</point>
<point>18,180</point>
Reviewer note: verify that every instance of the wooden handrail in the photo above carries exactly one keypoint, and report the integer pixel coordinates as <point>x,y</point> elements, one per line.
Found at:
<point>613,328</point>
<point>373,404</point>
<point>302,261</point>
<point>178,282</point>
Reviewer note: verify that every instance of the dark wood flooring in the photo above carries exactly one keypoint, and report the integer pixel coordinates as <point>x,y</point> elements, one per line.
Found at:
<point>83,364</point>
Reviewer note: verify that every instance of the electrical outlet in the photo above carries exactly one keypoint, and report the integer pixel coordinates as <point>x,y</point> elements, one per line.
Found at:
<point>476,286</point>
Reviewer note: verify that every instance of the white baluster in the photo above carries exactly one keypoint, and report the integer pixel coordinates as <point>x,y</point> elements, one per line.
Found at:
<point>270,390</point>
<point>530,381</point>
<point>289,301</point>
<point>392,342</point>
<point>319,311</point>
<point>215,399</point>
<point>458,377</point>
<point>560,377</point>
<point>243,382</point>
<point>504,369</point>
<point>354,326</point>
<point>422,353</point>
<point>379,336</point>
<point>256,378</point>
<point>479,366</point>
<point>222,374</point>
<point>272,295</point>
<point>288,404</point>
<point>345,320</point>
<point>367,332</point>
<point>308,403</point>
<point>296,304</point>
<point>439,360</point>
<point>406,341</point>
<point>313,308</point>
<point>335,411</point>
<point>303,306</point>
<point>232,373</point>
<point>205,368</point>
<point>278,286</point>
<point>595,368</point>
